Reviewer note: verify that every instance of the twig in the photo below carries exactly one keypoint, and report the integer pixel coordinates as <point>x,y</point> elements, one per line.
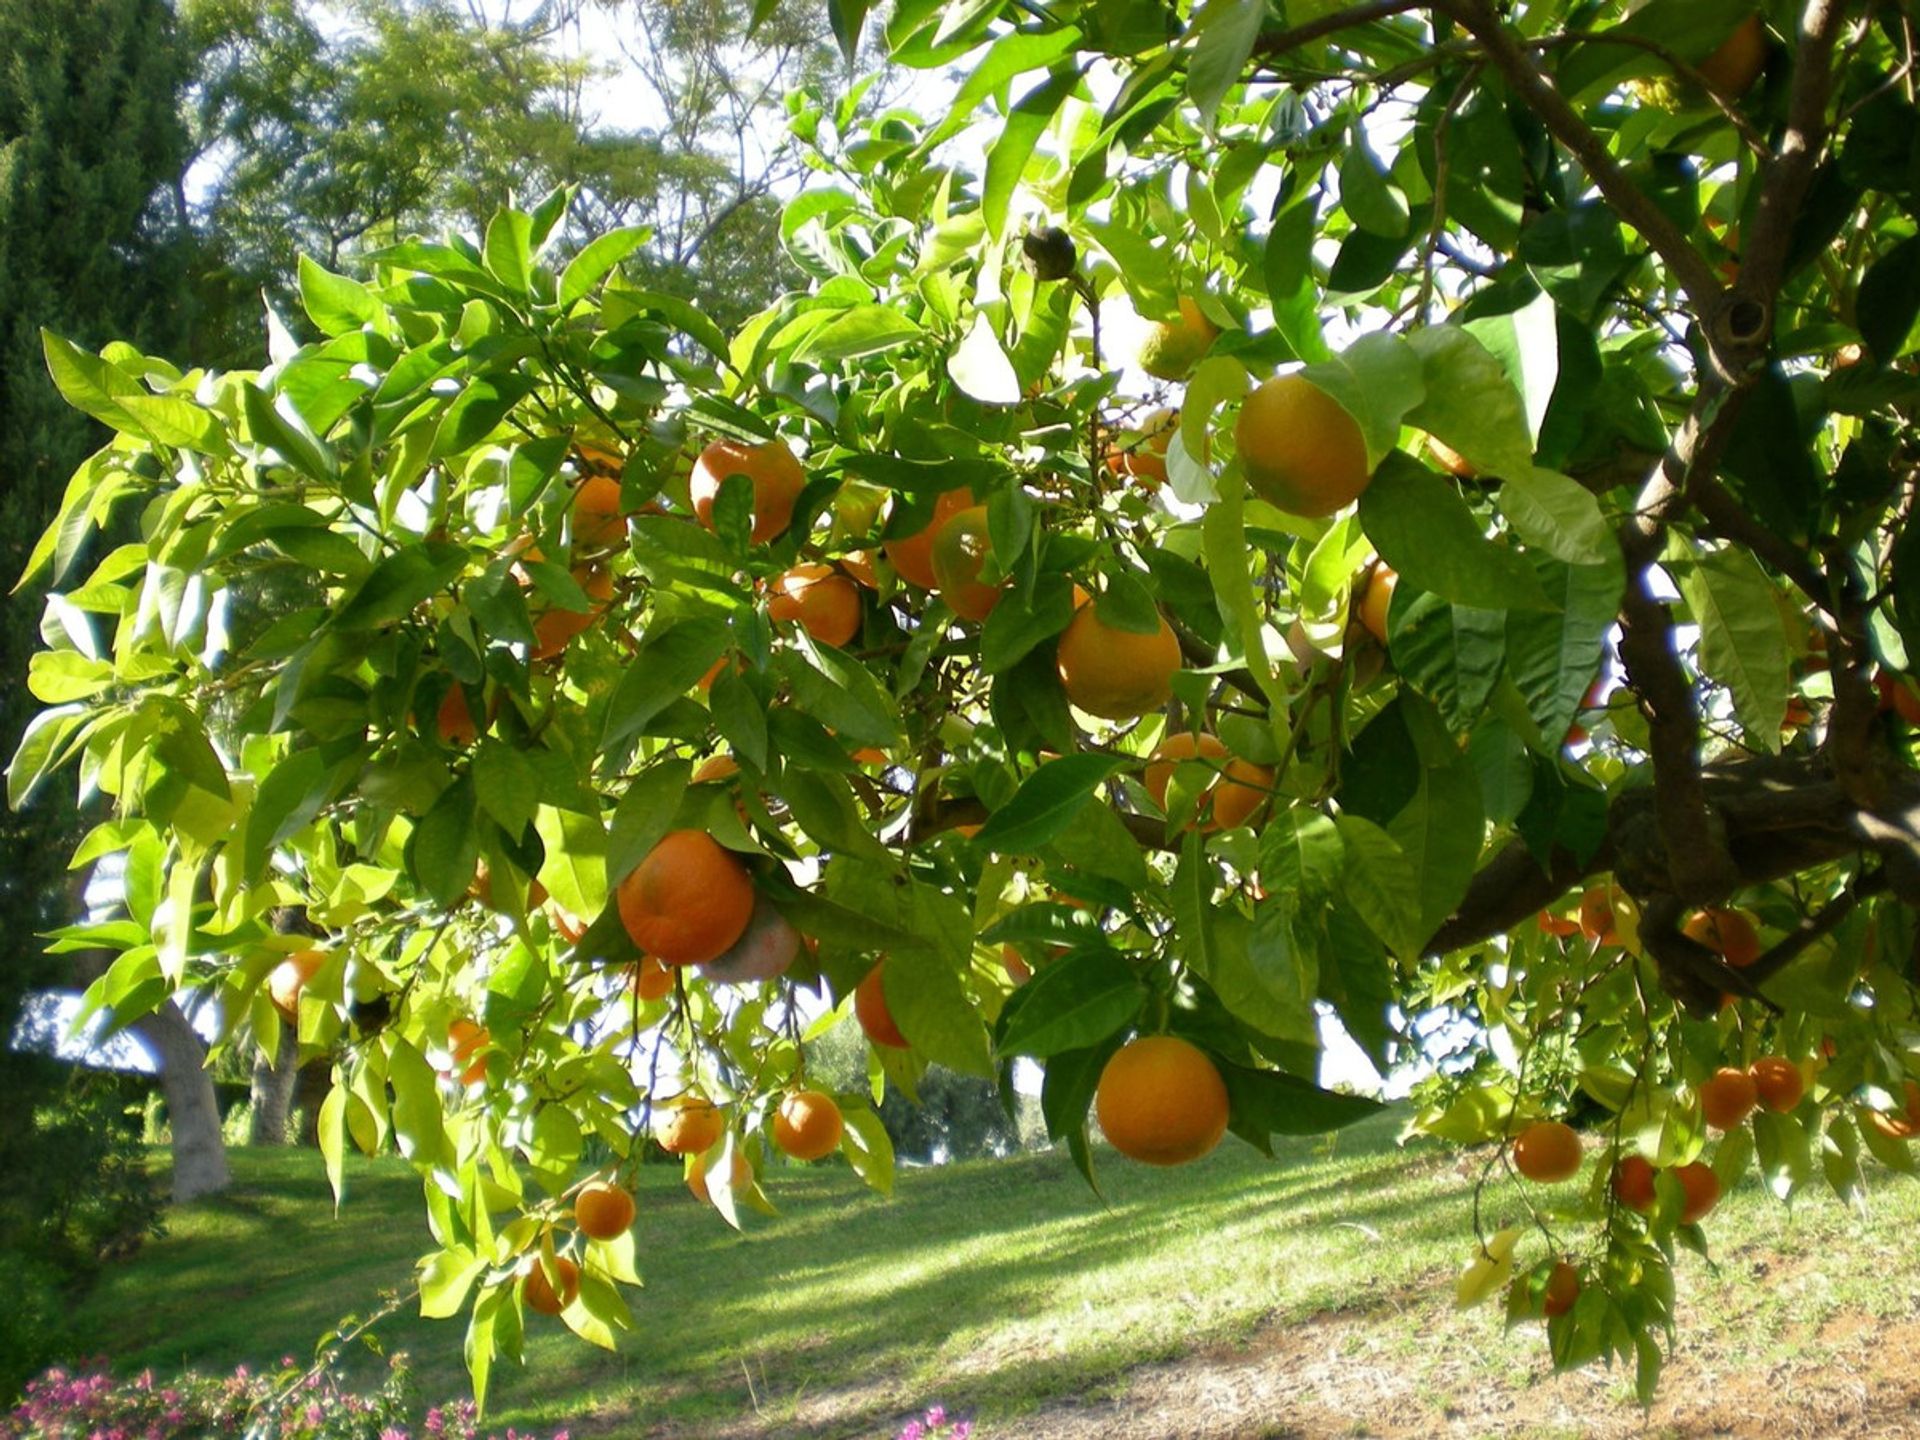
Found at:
<point>1280,42</point>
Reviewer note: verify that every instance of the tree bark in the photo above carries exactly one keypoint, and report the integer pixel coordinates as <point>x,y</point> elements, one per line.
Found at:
<point>272,1092</point>
<point>193,1111</point>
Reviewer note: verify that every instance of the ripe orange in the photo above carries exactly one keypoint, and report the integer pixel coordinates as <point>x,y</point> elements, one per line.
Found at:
<point>870,1009</point>
<point>1779,1081</point>
<point>1016,965</point>
<point>539,1292</point>
<point>1231,797</point>
<point>1731,70</point>
<point>825,602</point>
<point>1146,457</point>
<point>1299,449</point>
<point>807,1125</point>
<point>741,1171</point>
<point>554,628</point>
<point>715,767</point>
<point>1563,1288</point>
<point>289,978</point>
<point>1172,348</point>
<point>688,901</point>
<point>1728,933</point>
<point>693,1125</point>
<point>960,550</point>
<point>1900,1125</point>
<point>1114,673</point>
<point>1701,1188</point>
<point>455,720</point>
<point>597,518</point>
<point>1728,1098</point>
<point>912,555</point>
<point>1449,459</point>
<point>567,925</point>
<point>1559,925</point>
<point>1161,1101</point>
<point>1596,915</point>
<point>603,1211</point>
<point>1633,1183</point>
<point>777,482</point>
<point>1547,1152</point>
<point>467,1040</point>
<point>1375,601</point>
<point>649,979</point>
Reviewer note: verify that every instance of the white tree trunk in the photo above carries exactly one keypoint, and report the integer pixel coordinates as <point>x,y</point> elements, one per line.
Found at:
<point>193,1112</point>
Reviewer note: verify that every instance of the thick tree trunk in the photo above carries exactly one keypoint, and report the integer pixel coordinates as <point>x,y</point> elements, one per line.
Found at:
<point>309,1093</point>
<point>193,1112</point>
<point>273,1091</point>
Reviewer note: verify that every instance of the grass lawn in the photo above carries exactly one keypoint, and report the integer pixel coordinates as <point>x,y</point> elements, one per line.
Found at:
<point>1005,1288</point>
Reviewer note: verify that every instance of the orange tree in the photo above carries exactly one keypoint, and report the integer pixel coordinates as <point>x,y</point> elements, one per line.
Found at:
<point>1530,528</point>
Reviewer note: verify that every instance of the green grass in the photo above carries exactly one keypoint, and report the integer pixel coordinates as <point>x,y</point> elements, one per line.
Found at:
<point>997,1286</point>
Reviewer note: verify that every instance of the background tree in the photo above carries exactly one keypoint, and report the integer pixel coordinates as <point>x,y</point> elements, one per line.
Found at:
<point>1300,703</point>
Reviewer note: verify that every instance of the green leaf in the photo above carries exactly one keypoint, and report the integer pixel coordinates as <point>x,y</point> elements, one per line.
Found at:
<point>175,420</point>
<point>276,424</point>
<point>1785,1155</point>
<point>1259,971</point>
<point>1007,157</point>
<point>289,796</point>
<point>446,1276</point>
<point>595,260</point>
<point>509,250</point>
<point>331,1128</point>
<point>575,870</point>
<point>1071,1004</point>
<point>1377,380</point>
<point>1889,300</point>
<point>1099,843</point>
<point>1300,857</point>
<point>507,785</point>
<point>1424,530</point>
<point>408,577</point>
<point>846,17</point>
<point>980,367</point>
<point>1526,342</point>
<point>1380,885</point>
<point>1018,624</point>
<point>740,716</point>
<point>1066,1094</point>
<point>672,659</point>
<point>1047,801</point>
<point>1226,30</point>
<point>861,330</point>
<point>1452,654</point>
<point>333,302</point>
<point>1442,830</point>
<point>1470,403</point>
<point>1557,515</point>
<point>1271,1102</point>
<point>89,383</point>
<point>1553,658</point>
<point>1743,640</point>
<point>443,851</point>
<point>823,807</point>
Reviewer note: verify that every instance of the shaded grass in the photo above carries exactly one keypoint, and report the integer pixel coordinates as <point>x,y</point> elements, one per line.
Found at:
<point>999,1286</point>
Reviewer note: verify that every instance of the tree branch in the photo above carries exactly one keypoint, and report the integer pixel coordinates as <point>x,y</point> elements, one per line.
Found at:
<point>1281,41</point>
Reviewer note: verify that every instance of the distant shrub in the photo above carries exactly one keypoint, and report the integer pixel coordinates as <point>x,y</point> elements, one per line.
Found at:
<point>92,1404</point>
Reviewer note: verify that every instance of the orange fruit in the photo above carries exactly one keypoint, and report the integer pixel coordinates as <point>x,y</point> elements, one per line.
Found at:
<point>1449,459</point>
<point>649,979</point>
<point>960,550</point>
<point>1701,1188</point>
<point>1563,1288</point>
<point>1016,965</point>
<point>1731,70</point>
<point>467,1041</point>
<point>455,720</point>
<point>870,1009</point>
<point>1728,1098</point>
<point>1900,1125</point>
<point>825,602</point>
<point>807,1125</point>
<point>1114,673</point>
<point>777,482</point>
<point>603,1211</point>
<point>1559,925</point>
<point>912,555</point>
<point>716,767</point>
<point>688,901</point>
<point>870,755</point>
<point>597,519</point>
<point>1633,1183</point>
<point>741,1170</point>
<point>1161,1101</point>
<point>482,888</point>
<point>539,1292</point>
<point>1375,600</point>
<point>859,564</point>
<point>1231,797</point>
<point>1596,915</point>
<point>1171,348</point>
<point>1779,1081</point>
<point>1299,449</point>
<point>1547,1152</point>
<point>289,978</point>
<point>694,1125</point>
<point>567,925</point>
<point>554,628</point>
<point>1146,457</point>
<point>1728,933</point>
